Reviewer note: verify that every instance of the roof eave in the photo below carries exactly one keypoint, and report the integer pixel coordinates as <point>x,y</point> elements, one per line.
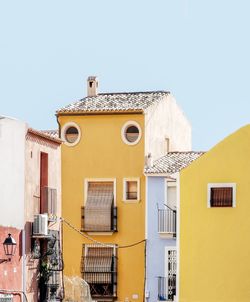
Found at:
<point>108,112</point>
<point>44,136</point>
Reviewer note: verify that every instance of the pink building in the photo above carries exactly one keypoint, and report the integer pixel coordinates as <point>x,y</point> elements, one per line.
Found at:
<point>30,208</point>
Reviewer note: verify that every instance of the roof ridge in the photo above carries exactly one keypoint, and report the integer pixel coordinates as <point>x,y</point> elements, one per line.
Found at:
<point>134,92</point>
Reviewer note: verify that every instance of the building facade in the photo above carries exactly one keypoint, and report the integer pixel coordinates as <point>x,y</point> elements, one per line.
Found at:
<point>107,137</point>
<point>214,227</point>
<point>25,211</point>
<point>161,224</point>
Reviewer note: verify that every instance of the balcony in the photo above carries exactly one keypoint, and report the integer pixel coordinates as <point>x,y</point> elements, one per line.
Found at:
<point>48,202</point>
<point>167,222</point>
<point>99,220</point>
<point>100,272</point>
<point>167,288</point>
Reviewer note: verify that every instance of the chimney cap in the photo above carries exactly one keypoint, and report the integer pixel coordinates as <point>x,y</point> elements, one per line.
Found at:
<point>92,78</point>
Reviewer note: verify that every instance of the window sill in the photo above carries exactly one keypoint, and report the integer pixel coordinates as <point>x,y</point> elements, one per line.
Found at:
<point>131,200</point>
<point>101,233</point>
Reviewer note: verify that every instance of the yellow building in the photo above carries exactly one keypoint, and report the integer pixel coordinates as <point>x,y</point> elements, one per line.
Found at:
<point>107,137</point>
<point>215,224</point>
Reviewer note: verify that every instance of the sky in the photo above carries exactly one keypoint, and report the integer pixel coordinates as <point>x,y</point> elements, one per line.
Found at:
<point>197,49</point>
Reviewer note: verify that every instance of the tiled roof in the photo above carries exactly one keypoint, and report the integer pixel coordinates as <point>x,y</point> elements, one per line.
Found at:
<point>113,102</point>
<point>45,135</point>
<point>51,133</point>
<point>173,162</point>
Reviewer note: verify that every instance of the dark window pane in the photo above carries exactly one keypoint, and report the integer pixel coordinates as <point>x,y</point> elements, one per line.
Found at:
<point>132,133</point>
<point>71,134</point>
<point>221,197</point>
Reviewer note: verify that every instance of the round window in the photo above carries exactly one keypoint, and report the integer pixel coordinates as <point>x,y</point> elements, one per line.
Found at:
<point>131,133</point>
<point>71,134</point>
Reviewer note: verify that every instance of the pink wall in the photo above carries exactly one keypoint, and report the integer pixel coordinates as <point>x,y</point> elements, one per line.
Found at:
<point>11,271</point>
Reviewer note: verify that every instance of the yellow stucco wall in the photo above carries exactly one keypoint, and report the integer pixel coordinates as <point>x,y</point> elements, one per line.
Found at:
<point>214,242</point>
<point>101,153</point>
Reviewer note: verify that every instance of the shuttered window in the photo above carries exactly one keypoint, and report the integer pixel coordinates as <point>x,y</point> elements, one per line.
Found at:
<point>98,207</point>
<point>221,197</point>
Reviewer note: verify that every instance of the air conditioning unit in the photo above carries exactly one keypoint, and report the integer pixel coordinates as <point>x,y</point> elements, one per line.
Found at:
<point>40,225</point>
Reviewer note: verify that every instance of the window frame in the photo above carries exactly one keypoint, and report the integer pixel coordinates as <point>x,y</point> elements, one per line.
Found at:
<point>111,245</point>
<point>221,185</point>
<point>63,133</point>
<point>123,133</point>
<point>125,180</point>
<point>88,180</point>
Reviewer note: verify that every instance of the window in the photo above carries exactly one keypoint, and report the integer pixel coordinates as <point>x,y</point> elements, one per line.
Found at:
<point>131,133</point>
<point>222,195</point>
<point>99,212</point>
<point>99,269</point>
<point>6,297</point>
<point>171,194</point>
<point>71,134</point>
<point>131,189</point>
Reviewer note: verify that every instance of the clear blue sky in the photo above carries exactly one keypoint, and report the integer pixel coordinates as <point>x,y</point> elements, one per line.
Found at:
<point>197,49</point>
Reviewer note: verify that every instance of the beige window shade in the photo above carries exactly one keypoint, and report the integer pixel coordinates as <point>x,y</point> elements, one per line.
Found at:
<point>98,207</point>
<point>98,265</point>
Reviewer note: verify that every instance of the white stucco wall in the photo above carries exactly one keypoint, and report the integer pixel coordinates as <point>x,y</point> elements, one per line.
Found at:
<point>12,154</point>
<point>162,120</point>
<point>34,147</point>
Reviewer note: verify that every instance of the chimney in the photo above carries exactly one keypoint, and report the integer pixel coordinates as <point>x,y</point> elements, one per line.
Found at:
<point>148,160</point>
<point>92,85</point>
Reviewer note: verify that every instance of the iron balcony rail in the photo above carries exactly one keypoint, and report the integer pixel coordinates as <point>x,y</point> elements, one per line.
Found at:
<point>167,221</point>
<point>101,275</point>
<point>166,288</point>
<point>48,201</point>
<point>112,225</point>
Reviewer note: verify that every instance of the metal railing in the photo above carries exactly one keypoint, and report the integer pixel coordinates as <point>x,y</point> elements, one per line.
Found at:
<point>101,275</point>
<point>48,201</point>
<point>112,224</point>
<point>167,221</point>
<point>166,288</point>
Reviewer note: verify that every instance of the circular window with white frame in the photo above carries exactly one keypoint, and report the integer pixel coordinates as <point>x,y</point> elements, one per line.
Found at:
<point>131,133</point>
<point>71,134</point>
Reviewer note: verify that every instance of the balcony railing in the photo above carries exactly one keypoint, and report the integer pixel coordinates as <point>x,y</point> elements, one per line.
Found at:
<point>102,221</point>
<point>166,288</point>
<point>167,221</point>
<point>48,201</point>
<point>101,275</point>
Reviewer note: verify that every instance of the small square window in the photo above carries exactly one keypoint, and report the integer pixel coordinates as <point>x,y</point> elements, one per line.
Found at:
<point>221,195</point>
<point>131,190</point>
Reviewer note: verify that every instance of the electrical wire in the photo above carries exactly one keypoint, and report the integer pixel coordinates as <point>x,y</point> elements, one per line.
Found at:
<point>98,242</point>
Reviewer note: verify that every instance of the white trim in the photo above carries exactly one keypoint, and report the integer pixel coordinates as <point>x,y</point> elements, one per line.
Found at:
<point>86,246</point>
<point>178,210</point>
<point>125,180</point>
<point>87,180</point>
<point>64,128</point>
<point>124,127</point>
<point>221,185</point>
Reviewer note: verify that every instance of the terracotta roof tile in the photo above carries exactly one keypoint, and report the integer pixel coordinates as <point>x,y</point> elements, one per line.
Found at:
<point>112,102</point>
<point>173,162</point>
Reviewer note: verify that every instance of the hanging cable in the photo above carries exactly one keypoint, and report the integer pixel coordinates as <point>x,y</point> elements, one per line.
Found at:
<point>98,242</point>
